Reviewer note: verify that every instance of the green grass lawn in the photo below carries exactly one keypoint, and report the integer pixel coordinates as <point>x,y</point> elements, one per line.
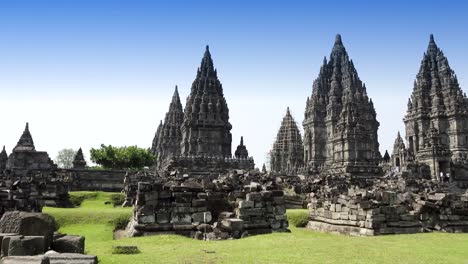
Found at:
<point>95,220</point>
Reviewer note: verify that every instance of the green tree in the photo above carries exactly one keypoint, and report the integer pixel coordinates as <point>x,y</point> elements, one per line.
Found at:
<point>65,158</point>
<point>131,157</point>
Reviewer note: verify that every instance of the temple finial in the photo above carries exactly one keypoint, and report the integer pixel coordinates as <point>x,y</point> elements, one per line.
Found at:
<point>242,141</point>
<point>338,39</point>
<point>287,111</point>
<point>431,39</point>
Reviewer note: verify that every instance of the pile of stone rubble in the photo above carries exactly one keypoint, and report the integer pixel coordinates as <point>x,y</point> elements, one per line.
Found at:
<point>386,206</point>
<point>221,207</point>
<point>30,193</point>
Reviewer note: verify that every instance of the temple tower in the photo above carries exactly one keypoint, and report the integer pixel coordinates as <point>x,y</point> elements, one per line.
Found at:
<point>340,125</point>
<point>79,161</point>
<point>437,109</point>
<point>24,156</point>
<point>3,159</point>
<point>154,146</point>
<point>169,136</point>
<point>206,128</point>
<point>241,151</point>
<point>287,152</point>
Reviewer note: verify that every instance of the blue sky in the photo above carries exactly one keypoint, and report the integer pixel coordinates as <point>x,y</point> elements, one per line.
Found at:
<point>90,72</point>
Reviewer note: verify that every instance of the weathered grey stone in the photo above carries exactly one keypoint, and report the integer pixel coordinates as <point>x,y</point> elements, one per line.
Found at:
<point>203,217</point>
<point>39,259</point>
<point>69,244</point>
<point>72,258</point>
<point>23,245</point>
<point>233,224</point>
<point>29,224</point>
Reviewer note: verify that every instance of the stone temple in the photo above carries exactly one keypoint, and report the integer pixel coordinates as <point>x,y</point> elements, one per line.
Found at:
<point>206,129</point>
<point>287,152</point>
<point>198,139</point>
<point>340,125</point>
<point>168,136</point>
<point>436,121</point>
<point>24,156</point>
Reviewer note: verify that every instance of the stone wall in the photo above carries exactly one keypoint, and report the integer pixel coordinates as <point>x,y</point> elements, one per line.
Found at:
<point>389,206</point>
<point>217,209</point>
<point>97,180</point>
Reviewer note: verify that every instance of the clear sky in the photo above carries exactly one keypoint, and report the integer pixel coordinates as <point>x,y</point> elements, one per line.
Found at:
<point>89,72</point>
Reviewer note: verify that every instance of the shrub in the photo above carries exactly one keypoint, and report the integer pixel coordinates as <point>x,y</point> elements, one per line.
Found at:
<point>76,198</point>
<point>298,217</point>
<point>117,199</point>
<point>120,222</point>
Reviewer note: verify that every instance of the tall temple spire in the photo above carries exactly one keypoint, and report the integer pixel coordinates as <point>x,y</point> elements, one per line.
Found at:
<point>287,152</point>
<point>169,138</point>
<point>338,47</point>
<point>340,117</point>
<point>206,128</point>
<point>154,146</point>
<point>3,159</point>
<point>207,66</point>
<point>437,103</point>
<point>25,142</point>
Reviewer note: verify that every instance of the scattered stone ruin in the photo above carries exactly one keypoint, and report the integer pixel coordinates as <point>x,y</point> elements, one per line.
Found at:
<point>227,206</point>
<point>33,191</point>
<point>386,206</point>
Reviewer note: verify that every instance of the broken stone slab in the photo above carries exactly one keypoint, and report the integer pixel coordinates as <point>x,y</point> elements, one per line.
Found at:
<point>72,258</point>
<point>69,244</point>
<point>39,259</point>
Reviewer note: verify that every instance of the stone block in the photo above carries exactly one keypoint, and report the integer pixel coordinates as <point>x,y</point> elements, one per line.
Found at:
<point>72,258</point>
<point>182,197</point>
<point>39,259</point>
<point>127,250</point>
<point>164,194</point>
<point>202,217</point>
<point>277,193</point>
<point>69,244</point>
<point>24,245</point>
<point>253,196</point>
<point>279,200</point>
<point>246,204</point>
<point>28,224</point>
<point>279,209</point>
<point>146,219</point>
<point>275,224</point>
<point>163,217</point>
<point>198,202</point>
<point>181,218</point>
<point>259,204</point>
<point>233,224</point>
